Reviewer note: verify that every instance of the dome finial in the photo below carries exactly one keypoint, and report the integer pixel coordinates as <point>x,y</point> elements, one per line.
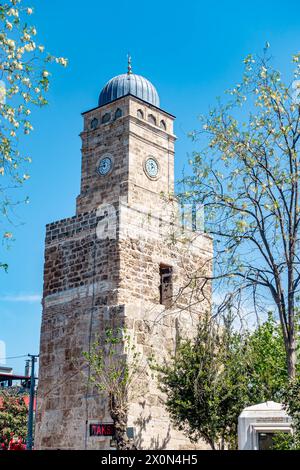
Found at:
<point>129,71</point>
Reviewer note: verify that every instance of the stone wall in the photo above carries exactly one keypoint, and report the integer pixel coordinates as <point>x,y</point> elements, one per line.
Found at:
<point>144,246</point>
<point>128,140</point>
<point>89,282</point>
<point>103,268</point>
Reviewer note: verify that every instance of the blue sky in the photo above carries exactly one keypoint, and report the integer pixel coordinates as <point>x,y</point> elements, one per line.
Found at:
<point>192,51</point>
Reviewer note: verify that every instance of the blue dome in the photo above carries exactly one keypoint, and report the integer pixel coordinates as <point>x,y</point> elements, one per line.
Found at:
<point>129,83</point>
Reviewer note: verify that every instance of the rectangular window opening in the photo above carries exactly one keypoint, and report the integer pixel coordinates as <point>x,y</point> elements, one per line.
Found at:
<point>166,285</point>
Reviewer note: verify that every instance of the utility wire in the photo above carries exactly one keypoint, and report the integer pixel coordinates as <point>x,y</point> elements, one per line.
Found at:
<point>12,357</point>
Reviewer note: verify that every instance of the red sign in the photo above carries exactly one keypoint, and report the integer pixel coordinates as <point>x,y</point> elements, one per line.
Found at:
<point>102,429</point>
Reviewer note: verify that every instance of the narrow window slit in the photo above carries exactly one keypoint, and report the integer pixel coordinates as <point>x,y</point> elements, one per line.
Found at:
<point>166,285</point>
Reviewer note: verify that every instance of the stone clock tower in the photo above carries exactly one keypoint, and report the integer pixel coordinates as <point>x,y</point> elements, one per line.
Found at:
<point>117,260</point>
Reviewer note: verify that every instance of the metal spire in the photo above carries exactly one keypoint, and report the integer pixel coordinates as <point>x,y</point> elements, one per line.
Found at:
<point>129,71</point>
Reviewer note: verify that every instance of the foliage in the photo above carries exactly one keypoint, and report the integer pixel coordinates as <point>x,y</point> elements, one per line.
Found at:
<point>268,371</point>
<point>283,441</point>
<point>24,81</point>
<point>291,400</point>
<point>212,378</point>
<point>246,176</point>
<point>13,418</point>
<point>291,403</point>
<point>113,365</point>
<point>201,392</point>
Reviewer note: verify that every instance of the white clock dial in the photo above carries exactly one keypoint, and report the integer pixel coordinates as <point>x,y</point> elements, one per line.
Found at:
<point>151,167</point>
<point>104,166</point>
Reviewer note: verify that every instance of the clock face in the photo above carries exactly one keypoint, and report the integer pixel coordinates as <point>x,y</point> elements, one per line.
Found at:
<point>151,167</point>
<point>104,166</point>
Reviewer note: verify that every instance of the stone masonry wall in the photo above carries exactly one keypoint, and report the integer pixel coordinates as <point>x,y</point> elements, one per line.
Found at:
<point>144,246</point>
<point>102,268</point>
<point>89,283</point>
<point>129,141</point>
<point>80,280</point>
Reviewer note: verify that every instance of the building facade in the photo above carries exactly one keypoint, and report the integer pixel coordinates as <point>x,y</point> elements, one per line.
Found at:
<point>123,259</point>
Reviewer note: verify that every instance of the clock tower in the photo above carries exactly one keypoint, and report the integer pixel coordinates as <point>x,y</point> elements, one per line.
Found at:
<point>117,261</point>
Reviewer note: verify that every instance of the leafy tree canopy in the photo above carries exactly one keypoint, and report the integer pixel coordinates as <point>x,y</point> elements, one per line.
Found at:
<point>13,417</point>
<point>246,175</point>
<point>212,378</point>
<point>24,82</point>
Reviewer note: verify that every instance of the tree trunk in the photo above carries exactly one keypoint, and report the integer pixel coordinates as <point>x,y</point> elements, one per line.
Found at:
<point>291,358</point>
<point>119,417</point>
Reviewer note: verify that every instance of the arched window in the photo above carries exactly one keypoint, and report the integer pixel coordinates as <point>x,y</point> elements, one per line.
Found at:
<point>118,113</point>
<point>163,125</point>
<point>151,119</point>
<point>105,118</point>
<point>94,123</point>
<point>140,114</point>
